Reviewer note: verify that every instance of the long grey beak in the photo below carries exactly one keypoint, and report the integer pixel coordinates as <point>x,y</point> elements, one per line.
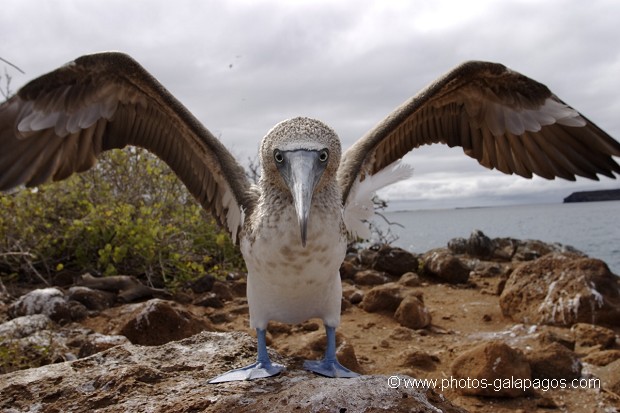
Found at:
<point>302,171</point>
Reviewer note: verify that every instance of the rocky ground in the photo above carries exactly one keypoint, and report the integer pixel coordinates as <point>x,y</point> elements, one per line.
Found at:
<point>483,318</point>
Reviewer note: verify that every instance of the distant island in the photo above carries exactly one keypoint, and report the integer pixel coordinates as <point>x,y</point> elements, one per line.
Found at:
<point>594,196</point>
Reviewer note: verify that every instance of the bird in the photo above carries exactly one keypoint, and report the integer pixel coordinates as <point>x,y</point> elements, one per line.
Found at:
<point>292,226</point>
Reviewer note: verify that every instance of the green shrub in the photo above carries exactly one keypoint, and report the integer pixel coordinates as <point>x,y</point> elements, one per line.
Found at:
<point>128,215</point>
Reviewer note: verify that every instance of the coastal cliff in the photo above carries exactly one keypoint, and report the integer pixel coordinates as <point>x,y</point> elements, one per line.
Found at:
<point>594,196</point>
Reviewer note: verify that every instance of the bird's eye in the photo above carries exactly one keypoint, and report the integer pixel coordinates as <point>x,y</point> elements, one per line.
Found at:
<point>323,155</point>
<point>277,155</point>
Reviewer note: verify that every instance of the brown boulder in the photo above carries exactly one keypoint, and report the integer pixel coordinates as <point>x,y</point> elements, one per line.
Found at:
<point>158,321</point>
<point>562,289</point>
<point>590,335</point>
<point>410,279</point>
<point>491,369</point>
<point>352,294</point>
<point>370,277</point>
<point>95,343</point>
<point>347,270</point>
<point>382,298</point>
<point>395,261</point>
<point>479,245</point>
<point>412,313</point>
<point>419,359</point>
<point>442,264</point>
<point>554,361</point>
<point>602,358</point>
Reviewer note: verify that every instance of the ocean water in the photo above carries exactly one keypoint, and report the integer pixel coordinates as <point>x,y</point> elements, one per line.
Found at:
<point>591,227</point>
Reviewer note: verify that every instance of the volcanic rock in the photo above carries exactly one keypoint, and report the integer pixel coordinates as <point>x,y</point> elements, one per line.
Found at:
<point>370,277</point>
<point>173,378</point>
<point>442,264</point>
<point>562,289</point>
<point>158,321</point>
<point>554,361</point>
<point>382,298</point>
<point>412,313</point>
<point>590,335</point>
<point>49,301</point>
<point>491,363</point>
<point>395,261</point>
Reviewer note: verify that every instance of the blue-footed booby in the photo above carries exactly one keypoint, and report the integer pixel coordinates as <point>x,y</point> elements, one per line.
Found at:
<point>292,227</point>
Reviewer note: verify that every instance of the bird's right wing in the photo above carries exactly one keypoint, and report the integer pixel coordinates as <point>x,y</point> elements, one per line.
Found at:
<point>59,123</point>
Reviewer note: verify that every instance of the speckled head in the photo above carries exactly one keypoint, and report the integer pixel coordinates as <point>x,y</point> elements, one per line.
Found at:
<point>300,156</point>
<point>300,133</point>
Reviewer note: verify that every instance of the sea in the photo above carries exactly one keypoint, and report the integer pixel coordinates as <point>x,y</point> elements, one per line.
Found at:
<point>591,227</point>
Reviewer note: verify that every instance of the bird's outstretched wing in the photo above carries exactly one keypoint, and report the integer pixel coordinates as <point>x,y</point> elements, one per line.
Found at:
<point>501,118</point>
<point>60,122</point>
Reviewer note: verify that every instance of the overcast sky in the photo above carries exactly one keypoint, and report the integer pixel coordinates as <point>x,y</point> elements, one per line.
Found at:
<point>242,66</point>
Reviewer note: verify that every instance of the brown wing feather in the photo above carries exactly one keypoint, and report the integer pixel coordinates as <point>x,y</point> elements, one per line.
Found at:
<point>59,123</point>
<point>499,117</point>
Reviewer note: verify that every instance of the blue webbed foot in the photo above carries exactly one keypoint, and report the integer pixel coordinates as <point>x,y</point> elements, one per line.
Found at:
<point>261,369</point>
<point>256,370</point>
<point>329,368</point>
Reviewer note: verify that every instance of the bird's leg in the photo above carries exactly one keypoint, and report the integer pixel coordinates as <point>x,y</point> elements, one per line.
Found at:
<point>329,366</point>
<point>262,368</point>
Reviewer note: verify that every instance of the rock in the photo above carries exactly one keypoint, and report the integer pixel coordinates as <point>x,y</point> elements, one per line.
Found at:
<point>395,261</point>
<point>222,290</point>
<point>203,284</point>
<point>550,334</point>
<point>419,359</point>
<point>49,301</point>
<point>370,277</point>
<point>458,245</point>
<point>487,269</point>
<point>95,300</point>
<point>31,341</point>
<point>410,279</point>
<point>602,358</point>
<point>95,343</point>
<point>479,245</point>
<point>411,313</point>
<point>492,362</point>
<point>401,334</point>
<point>347,270</point>
<point>610,377</point>
<point>24,326</point>
<point>209,299</point>
<point>442,264</point>
<point>367,257</point>
<point>352,294</point>
<point>382,298</point>
<point>554,361</point>
<point>590,335</point>
<point>508,249</point>
<point>158,321</point>
<point>562,289</point>
<point>173,378</point>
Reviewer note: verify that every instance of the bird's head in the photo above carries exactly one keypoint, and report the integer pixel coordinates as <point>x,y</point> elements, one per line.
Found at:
<point>301,156</point>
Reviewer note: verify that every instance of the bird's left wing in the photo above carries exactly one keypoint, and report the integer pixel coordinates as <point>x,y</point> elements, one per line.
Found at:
<point>59,123</point>
<point>501,118</point>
